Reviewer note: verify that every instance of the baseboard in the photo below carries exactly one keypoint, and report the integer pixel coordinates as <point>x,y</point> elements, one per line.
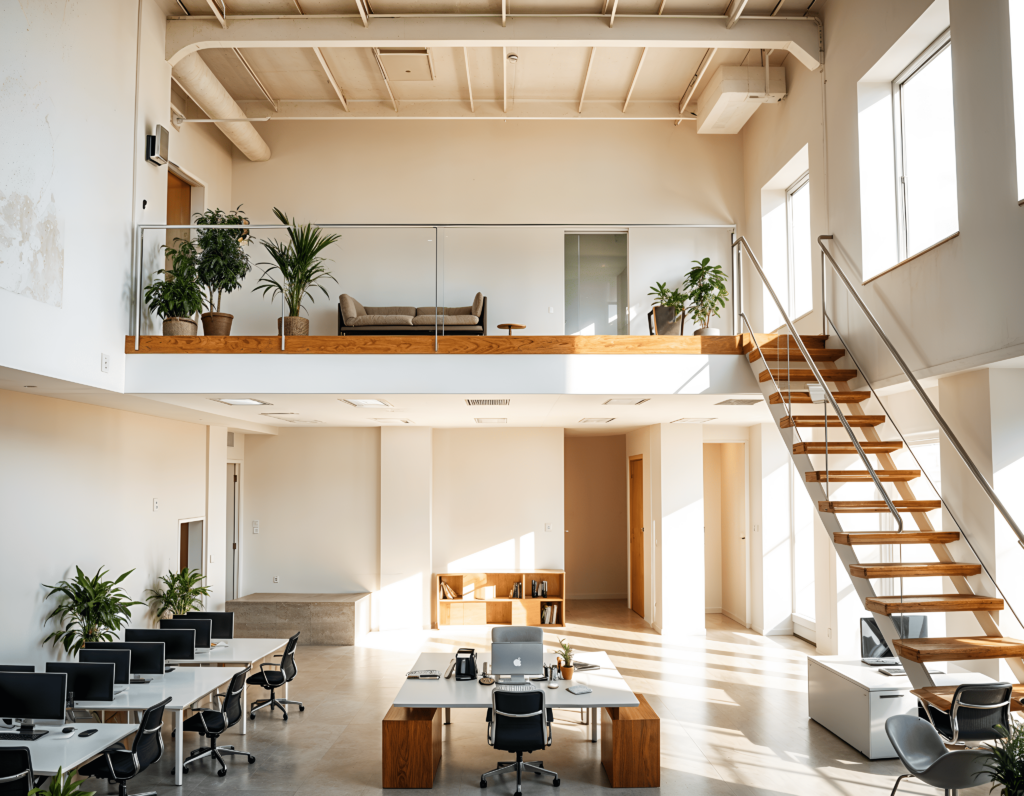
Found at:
<point>712,610</point>
<point>621,596</point>
<point>738,620</point>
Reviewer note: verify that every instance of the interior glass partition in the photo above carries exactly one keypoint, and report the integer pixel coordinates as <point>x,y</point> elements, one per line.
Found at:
<point>596,284</point>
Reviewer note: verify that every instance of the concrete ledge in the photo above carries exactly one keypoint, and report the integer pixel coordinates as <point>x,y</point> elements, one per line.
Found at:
<point>323,619</point>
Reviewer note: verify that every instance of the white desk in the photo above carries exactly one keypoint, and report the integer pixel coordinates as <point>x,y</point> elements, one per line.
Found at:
<point>53,751</point>
<point>853,700</point>
<point>609,687</point>
<point>185,686</point>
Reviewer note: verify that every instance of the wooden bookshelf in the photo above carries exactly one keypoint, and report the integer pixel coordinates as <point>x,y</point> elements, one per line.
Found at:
<point>472,609</point>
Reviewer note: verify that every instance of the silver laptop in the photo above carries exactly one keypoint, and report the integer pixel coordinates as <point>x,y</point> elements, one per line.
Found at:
<point>517,658</point>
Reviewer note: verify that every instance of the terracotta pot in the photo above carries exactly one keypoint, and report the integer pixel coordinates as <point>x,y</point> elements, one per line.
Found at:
<point>217,324</point>
<point>294,326</point>
<point>180,327</point>
<point>708,331</point>
<point>668,320</point>
<point>567,672</point>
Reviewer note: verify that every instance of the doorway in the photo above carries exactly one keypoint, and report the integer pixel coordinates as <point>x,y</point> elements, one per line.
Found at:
<point>179,206</point>
<point>190,545</point>
<point>725,530</point>
<point>596,284</point>
<point>636,534</point>
<point>231,553</point>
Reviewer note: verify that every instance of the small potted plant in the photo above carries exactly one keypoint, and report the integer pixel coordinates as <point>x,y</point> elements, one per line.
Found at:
<point>182,593</point>
<point>221,265</point>
<point>1006,760</point>
<point>705,287</point>
<point>300,268</point>
<point>565,659</point>
<point>62,785</point>
<point>178,296</point>
<point>93,609</point>
<point>670,309</point>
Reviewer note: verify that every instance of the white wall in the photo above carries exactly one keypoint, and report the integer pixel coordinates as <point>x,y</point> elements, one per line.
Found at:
<point>771,542</point>
<point>712,528</point>
<point>638,443</point>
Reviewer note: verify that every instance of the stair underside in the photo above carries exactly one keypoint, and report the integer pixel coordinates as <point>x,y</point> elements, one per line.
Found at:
<point>818,421</point>
<point>928,603</point>
<point>941,696</point>
<point>907,537</point>
<point>927,569</point>
<point>843,397</point>
<point>858,476</point>
<point>847,447</point>
<point>805,375</point>
<point>793,354</point>
<point>964,648</point>
<point>876,506</point>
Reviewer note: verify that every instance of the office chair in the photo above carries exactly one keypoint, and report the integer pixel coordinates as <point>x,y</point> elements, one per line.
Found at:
<point>214,723</point>
<point>516,722</point>
<point>276,679</point>
<point>117,764</point>
<point>974,713</point>
<point>926,757</point>
<point>16,777</point>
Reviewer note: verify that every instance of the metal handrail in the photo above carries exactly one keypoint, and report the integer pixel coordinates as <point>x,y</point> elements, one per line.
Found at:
<point>982,481</point>
<point>817,375</point>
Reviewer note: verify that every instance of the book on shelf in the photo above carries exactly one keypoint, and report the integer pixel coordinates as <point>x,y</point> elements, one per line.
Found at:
<point>447,592</point>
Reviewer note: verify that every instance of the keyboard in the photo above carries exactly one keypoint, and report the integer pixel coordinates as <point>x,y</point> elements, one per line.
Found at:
<point>516,688</point>
<point>17,736</point>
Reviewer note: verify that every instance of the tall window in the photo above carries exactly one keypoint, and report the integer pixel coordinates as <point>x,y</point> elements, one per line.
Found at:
<point>798,232</point>
<point>786,245</point>
<point>925,150</point>
<point>1017,67</point>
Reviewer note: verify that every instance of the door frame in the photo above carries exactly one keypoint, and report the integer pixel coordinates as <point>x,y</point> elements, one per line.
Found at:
<point>177,543</point>
<point>241,526</point>
<point>629,547</point>
<point>712,440</point>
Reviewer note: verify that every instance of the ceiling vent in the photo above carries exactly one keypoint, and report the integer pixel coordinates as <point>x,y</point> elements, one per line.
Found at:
<point>740,402</point>
<point>365,403</point>
<point>692,420</point>
<point>733,95</point>
<point>406,64</point>
<point>625,401</point>
<point>241,402</point>
<point>488,401</point>
<point>490,420</point>
<point>393,421</point>
<point>597,419</point>
<point>290,417</point>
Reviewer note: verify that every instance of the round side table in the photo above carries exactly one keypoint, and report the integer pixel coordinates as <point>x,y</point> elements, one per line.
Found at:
<point>510,327</point>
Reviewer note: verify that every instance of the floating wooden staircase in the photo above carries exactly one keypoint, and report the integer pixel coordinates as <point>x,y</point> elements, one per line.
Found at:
<point>785,388</point>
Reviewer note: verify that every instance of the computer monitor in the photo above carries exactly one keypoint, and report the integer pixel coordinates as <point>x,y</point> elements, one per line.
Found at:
<point>223,622</point>
<point>122,660</point>
<point>872,644</point>
<point>32,697</point>
<point>179,645</point>
<point>203,628</point>
<point>14,668</point>
<point>87,682</point>
<point>148,657</point>
<point>517,658</point>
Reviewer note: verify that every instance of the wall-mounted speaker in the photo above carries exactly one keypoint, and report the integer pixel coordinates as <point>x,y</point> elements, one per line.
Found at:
<point>156,146</point>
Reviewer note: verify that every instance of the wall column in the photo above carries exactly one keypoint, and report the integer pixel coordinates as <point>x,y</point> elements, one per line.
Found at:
<point>216,515</point>
<point>771,555</point>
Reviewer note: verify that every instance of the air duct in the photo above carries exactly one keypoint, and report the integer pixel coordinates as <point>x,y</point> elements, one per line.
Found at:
<point>203,86</point>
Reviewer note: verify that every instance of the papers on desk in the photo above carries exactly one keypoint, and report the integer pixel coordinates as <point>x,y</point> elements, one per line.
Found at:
<point>423,674</point>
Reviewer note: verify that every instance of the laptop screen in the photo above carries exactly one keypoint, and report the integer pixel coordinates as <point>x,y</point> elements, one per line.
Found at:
<point>872,645</point>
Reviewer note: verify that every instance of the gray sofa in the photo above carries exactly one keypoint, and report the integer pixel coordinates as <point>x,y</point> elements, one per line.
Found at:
<point>355,319</point>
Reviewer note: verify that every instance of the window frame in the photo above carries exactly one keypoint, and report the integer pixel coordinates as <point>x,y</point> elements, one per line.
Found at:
<point>927,55</point>
<point>804,180</point>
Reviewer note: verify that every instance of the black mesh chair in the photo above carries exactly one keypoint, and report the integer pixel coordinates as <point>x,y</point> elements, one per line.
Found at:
<point>117,764</point>
<point>16,777</point>
<point>973,714</point>
<point>519,721</point>
<point>214,723</point>
<point>274,679</point>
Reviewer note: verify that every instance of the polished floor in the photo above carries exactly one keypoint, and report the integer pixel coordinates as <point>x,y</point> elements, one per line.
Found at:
<point>733,707</point>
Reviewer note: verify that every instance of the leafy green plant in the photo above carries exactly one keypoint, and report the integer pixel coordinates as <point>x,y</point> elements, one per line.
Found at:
<point>298,263</point>
<point>222,263</point>
<point>706,290</point>
<point>568,653</point>
<point>92,609</point>
<point>1006,760</point>
<point>672,299</point>
<point>182,592</point>
<point>178,294</point>
<point>62,785</point>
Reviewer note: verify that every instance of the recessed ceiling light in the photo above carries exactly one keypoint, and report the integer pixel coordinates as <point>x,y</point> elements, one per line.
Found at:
<point>491,420</point>
<point>488,401</point>
<point>289,417</point>
<point>395,420</point>
<point>241,402</point>
<point>626,401</point>
<point>692,420</point>
<point>364,403</point>
<point>29,387</point>
<point>740,402</point>
<point>597,420</point>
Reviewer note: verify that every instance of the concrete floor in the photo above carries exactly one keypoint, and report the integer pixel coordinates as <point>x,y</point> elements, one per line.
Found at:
<point>733,707</point>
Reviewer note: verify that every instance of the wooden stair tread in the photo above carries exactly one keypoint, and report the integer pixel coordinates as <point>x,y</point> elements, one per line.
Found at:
<point>805,375</point>
<point>818,421</point>
<point>941,696</point>
<point>907,537</point>
<point>857,476</point>
<point>796,397</point>
<point>846,447</point>
<point>926,569</point>
<point>963,648</point>
<point>783,341</point>
<point>875,506</point>
<point>928,603</point>
<point>793,354</point>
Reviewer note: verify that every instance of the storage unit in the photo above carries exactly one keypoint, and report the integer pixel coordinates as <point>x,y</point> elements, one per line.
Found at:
<point>631,746</point>
<point>411,748</point>
<point>495,606</point>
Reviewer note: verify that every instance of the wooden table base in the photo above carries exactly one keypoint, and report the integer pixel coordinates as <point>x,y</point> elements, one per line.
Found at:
<point>631,746</point>
<point>411,747</point>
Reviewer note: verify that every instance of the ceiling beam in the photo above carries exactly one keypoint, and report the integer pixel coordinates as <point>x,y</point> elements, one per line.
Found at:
<point>797,35</point>
<point>330,77</point>
<point>586,79</point>
<point>735,9</point>
<point>384,74</point>
<point>636,76</point>
<point>504,80</point>
<point>469,80</point>
<point>695,80</point>
<point>220,14</point>
<point>362,13</point>
<point>255,77</point>
<point>504,11</point>
<point>615,7</point>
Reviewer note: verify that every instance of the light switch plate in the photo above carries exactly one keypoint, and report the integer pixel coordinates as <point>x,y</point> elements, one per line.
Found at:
<point>255,526</point>
<point>547,526</point>
<point>156,504</point>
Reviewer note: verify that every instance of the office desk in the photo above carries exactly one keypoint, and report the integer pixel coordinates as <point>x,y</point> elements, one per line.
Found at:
<point>52,751</point>
<point>185,686</point>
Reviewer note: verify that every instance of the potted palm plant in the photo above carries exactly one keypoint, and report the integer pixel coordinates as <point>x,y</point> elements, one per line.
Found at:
<point>62,785</point>
<point>670,309</point>
<point>299,267</point>
<point>182,592</point>
<point>566,655</point>
<point>1006,760</point>
<point>178,296</point>
<point>221,265</point>
<point>92,609</point>
<point>706,289</point>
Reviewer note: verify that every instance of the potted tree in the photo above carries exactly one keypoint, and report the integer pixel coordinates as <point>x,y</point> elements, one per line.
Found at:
<point>92,609</point>
<point>706,289</point>
<point>221,265</point>
<point>670,309</point>
<point>300,268</point>
<point>182,593</point>
<point>566,655</point>
<point>178,296</point>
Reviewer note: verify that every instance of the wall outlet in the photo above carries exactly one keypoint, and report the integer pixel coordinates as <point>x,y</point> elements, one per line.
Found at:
<point>156,504</point>
<point>551,310</point>
<point>547,526</point>
<point>104,363</point>
<point>211,558</point>
<point>255,526</point>
<point>275,578</point>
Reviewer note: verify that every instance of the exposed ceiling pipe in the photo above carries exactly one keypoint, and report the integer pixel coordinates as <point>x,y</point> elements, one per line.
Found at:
<point>203,86</point>
<point>735,9</point>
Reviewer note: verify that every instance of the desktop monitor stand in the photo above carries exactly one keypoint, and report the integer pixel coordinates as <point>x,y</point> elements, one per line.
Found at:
<point>516,678</point>
<point>136,680</point>
<point>29,732</point>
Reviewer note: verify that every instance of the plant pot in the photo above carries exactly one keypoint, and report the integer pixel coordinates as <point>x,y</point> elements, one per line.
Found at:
<point>294,326</point>
<point>217,324</point>
<point>567,672</point>
<point>180,327</point>
<point>668,320</point>
<point>709,331</point>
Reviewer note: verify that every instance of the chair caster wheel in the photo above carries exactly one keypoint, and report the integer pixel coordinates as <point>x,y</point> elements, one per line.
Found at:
<point>483,783</point>
<point>184,769</point>
<point>222,773</point>
<point>285,717</point>
<point>251,759</point>
<point>252,717</point>
<point>301,708</point>
<point>557,782</point>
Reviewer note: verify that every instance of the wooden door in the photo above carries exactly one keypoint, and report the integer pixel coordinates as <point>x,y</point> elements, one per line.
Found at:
<point>636,535</point>
<point>183,547</point>
<point>179,206</point>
